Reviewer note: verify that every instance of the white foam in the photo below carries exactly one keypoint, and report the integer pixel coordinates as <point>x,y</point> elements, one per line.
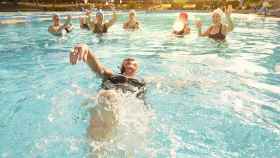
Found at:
<point>132,133</point>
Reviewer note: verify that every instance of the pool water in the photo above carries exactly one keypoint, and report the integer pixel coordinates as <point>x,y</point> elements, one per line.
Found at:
<point>206,99</point>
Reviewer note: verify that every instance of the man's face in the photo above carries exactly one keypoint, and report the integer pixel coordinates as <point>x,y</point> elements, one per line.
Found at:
<point>130,67</point>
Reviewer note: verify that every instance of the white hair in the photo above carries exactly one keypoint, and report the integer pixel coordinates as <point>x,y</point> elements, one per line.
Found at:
<point>132,11</point>
<point>218,11</point>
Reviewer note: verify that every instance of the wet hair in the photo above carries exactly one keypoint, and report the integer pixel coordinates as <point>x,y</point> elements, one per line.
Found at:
<point>125,60</point>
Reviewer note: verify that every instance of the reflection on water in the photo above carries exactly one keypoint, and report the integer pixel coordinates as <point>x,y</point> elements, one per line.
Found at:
<point>205,98</point>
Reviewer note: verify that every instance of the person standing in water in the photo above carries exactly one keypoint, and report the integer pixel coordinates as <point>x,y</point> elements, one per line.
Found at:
<point>103,121</point>
<point>57,29</point>
<point>83,20</point>
<point>132,23</point>
<point>217,30</point>
<point>265,7</point>
<point>98,25</point>
<point>181,25</point>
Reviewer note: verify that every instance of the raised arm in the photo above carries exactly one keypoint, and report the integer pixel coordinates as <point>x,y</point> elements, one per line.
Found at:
<point>113,20</point>
<point>66,23</point>
<point>89,22</point>
<point>82,52</point>
<point>230,23</point>
<point>199,27</point>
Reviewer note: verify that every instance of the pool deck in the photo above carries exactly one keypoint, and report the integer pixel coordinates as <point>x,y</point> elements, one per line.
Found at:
<point>6,20</point>
<point>26,6</point>
<point>45,8</point>
<point>31,7</point>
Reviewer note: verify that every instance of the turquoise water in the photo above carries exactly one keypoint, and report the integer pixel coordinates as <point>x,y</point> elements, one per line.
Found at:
<point>206,99</point>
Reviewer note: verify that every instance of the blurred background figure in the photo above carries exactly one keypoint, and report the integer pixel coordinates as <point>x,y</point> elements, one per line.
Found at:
<point>57,29</point>
<point>265,7</point>
<point>132,23</point>
<point>181,24</point>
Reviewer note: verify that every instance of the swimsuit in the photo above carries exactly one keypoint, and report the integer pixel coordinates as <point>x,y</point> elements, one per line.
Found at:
<point>97,29</point>
<point>85,26</point>
<point>218,36</point>
<point>182,32</point>
<point>67,29</point>
<point>119,81</point>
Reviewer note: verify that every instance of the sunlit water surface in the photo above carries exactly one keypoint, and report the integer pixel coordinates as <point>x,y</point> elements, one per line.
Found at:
<point>206,99</point>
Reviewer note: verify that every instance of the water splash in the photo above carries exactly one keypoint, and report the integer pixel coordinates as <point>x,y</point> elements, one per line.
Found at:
<point>131,136</point>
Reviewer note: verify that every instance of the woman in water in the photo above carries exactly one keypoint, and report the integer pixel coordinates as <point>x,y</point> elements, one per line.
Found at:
<point>98,25</point>
<point>83,20</point>
<point>57,29</point>
<point>217,30</point>
<point>132,23</point>
<point>181,25</point>
<point>104,115</point>
<point>265,7</point>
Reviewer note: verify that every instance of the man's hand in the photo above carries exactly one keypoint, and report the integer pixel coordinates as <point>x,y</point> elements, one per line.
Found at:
<point>228,10</point>
<point>79,53</point>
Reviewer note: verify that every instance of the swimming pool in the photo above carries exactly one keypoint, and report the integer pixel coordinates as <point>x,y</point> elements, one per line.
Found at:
<point>207,99</point>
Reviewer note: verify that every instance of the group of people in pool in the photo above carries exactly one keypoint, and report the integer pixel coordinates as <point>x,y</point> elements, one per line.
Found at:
<point>96,25</point>
<point>216,31</point>
<point>104,114</point>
